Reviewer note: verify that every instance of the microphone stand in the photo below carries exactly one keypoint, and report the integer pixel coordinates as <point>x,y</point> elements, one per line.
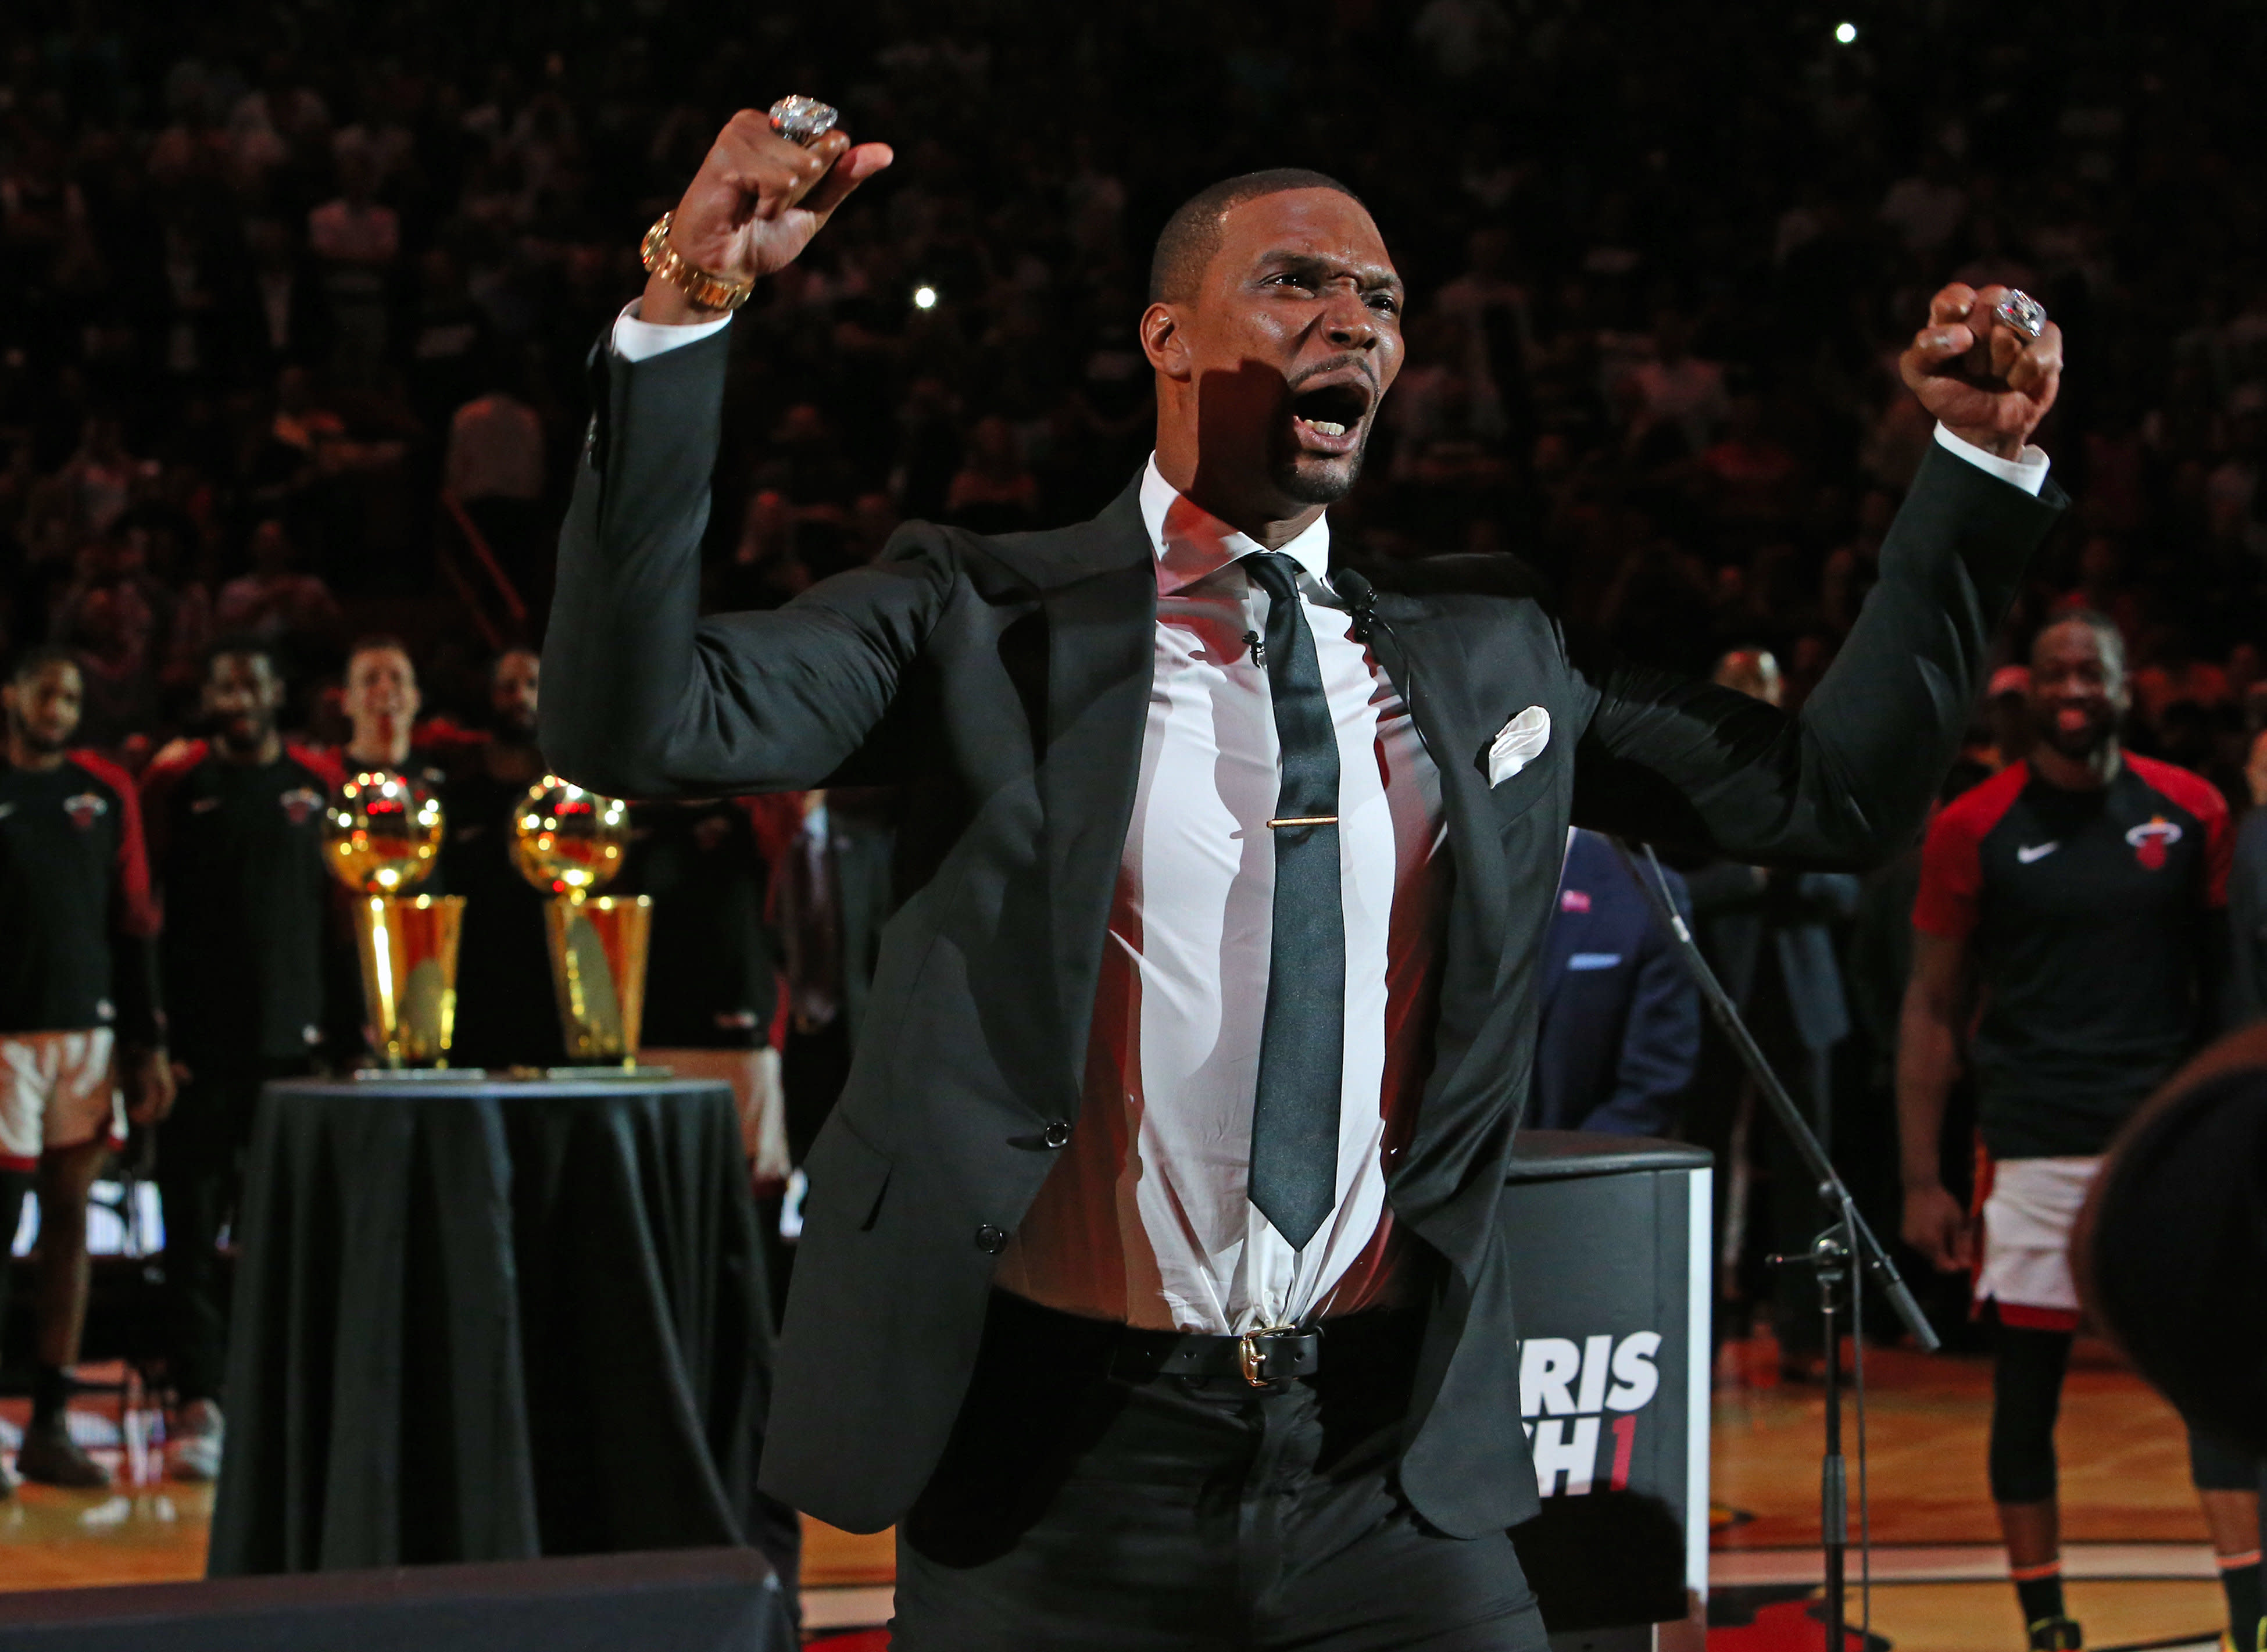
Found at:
<point>1841,1256</point>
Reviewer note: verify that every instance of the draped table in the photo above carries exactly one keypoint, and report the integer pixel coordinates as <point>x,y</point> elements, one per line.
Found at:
<point>483,1320</point>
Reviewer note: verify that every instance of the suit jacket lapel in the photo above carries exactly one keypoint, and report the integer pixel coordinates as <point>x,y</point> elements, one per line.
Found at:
<point>1425,664</point>
<point>1462,1116</point>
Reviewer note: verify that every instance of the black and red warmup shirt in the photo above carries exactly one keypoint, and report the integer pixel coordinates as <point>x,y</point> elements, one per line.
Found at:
<point>2088,915</point>
<point>237,852</point>
<point>76,917</point>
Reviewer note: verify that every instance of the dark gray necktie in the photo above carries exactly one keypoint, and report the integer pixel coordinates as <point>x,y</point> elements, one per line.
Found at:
<point>1295,1120</point>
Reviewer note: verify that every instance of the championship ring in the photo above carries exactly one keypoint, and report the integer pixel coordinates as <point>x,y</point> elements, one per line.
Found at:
<point>801,119</point>
<point>2021,312</point>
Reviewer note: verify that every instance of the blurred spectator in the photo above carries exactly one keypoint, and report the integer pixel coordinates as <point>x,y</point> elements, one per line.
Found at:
<point>1620,1032</point>
<point>506,1013</point>
<point>1465,38</point>
<point>277,602</point>
<point>2101,588</point>
<point>356,240</point>
<point>1769,937</point>
<point>494,466</point>
<point>2174,677</point>
<point>1928,206</point>
<point>282,318</point>
<point>994,491</point>
<point>1676,389</point>
<point>99,479</point>
<point>1752,671</point>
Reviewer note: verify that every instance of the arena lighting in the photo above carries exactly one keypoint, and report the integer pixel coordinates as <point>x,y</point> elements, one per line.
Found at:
<point>924,297</point>
<point>1846,33</point>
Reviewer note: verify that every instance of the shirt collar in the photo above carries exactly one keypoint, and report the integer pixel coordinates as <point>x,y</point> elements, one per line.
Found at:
<point>1193,544</point>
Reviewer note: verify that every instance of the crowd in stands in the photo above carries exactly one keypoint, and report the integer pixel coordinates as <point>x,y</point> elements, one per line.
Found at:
<point>295,303</point>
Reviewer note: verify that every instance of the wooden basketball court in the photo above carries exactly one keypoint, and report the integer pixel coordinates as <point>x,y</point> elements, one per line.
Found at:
<point>2140,1569</point>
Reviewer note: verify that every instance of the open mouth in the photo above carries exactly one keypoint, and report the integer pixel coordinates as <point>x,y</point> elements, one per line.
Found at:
<point>1327,417</point>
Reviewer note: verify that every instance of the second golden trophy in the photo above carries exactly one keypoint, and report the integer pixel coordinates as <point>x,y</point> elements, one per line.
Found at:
<point>570,842</point>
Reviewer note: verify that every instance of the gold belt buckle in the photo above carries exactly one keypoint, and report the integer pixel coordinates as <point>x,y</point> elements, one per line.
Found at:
<point>1253,1362</point>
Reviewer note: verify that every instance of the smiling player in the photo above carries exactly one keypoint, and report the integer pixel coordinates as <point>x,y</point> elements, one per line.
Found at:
<point>2078,894</point>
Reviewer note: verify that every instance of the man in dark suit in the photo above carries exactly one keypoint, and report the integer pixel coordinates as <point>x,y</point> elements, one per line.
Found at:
<point>1150,1280</point>
<point>1620,1031</point>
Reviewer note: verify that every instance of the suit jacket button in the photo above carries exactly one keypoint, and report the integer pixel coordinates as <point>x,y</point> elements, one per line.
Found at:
<point>1057,1133</point>
<point>990,1240</point>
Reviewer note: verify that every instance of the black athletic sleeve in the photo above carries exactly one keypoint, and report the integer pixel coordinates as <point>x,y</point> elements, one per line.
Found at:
<point>133,916</point>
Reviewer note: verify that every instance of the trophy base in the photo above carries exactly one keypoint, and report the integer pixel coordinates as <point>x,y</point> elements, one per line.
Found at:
<point>378,1072</point>
<point>608,1072</point>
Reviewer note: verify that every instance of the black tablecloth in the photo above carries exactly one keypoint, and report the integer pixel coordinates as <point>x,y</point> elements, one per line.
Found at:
<point>491,1321</point>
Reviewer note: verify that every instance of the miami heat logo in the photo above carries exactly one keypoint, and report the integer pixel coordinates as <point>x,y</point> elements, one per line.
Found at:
<point>2151,839</point>
<point>301,806</point>
<point>85,808</point>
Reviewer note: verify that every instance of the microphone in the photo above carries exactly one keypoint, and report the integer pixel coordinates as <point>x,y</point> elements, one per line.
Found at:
<point>1361,599</point>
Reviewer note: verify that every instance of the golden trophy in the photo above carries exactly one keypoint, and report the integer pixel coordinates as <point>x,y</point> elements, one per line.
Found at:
<point>382,834</point>
<point>569,843</point>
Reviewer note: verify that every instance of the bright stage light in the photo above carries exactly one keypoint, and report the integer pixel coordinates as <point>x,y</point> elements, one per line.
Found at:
<point>924,297</point>
<point>1847,33</point>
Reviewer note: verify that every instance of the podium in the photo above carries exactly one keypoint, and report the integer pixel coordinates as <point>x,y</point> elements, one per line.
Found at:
<point>1609,1238</point>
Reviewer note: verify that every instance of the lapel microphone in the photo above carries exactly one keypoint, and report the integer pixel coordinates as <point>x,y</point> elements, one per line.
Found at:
<point>1361,599</point>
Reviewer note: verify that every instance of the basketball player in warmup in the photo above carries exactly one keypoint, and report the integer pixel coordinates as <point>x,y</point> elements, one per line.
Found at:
<point>78,1016</point>
<point>236,849</point>
<point>2080,893</point>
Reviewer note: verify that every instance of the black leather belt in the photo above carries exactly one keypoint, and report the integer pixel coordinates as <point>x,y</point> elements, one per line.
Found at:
<point>1260,1358</point>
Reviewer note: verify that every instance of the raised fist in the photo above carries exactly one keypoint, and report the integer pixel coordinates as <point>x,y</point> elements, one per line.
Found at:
<point>755,203</point>
<point>1986,382</point>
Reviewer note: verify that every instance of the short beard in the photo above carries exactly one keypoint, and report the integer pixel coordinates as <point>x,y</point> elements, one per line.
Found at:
<point>41,743</point>
<point>258,737</point>
<point>1325,490</point>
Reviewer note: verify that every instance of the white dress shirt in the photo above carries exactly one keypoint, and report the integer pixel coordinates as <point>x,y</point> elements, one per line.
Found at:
<point>1145,1218</point>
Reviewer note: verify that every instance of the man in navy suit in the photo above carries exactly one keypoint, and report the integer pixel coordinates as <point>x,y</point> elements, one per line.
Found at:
<point>1621,1017</point>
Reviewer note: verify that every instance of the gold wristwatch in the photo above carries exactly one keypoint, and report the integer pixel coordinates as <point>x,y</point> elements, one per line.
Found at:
<point>706,291</point>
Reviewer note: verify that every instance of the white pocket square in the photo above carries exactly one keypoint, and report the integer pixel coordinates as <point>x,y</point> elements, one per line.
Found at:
<point>1520,744</point>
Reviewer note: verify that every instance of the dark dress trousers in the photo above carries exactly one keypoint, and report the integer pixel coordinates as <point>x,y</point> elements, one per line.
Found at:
<point>1620,1032</point>
<point>1002,682</point>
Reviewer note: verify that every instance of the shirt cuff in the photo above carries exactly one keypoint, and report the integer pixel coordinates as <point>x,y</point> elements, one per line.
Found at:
<point>2028,473</point>
<point>636,339</point>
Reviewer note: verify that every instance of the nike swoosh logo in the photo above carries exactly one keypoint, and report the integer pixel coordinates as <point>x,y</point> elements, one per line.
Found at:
<point>2030,852</point>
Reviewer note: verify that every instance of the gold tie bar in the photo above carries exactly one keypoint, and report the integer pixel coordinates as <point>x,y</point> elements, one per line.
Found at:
<point>1304,819</point>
